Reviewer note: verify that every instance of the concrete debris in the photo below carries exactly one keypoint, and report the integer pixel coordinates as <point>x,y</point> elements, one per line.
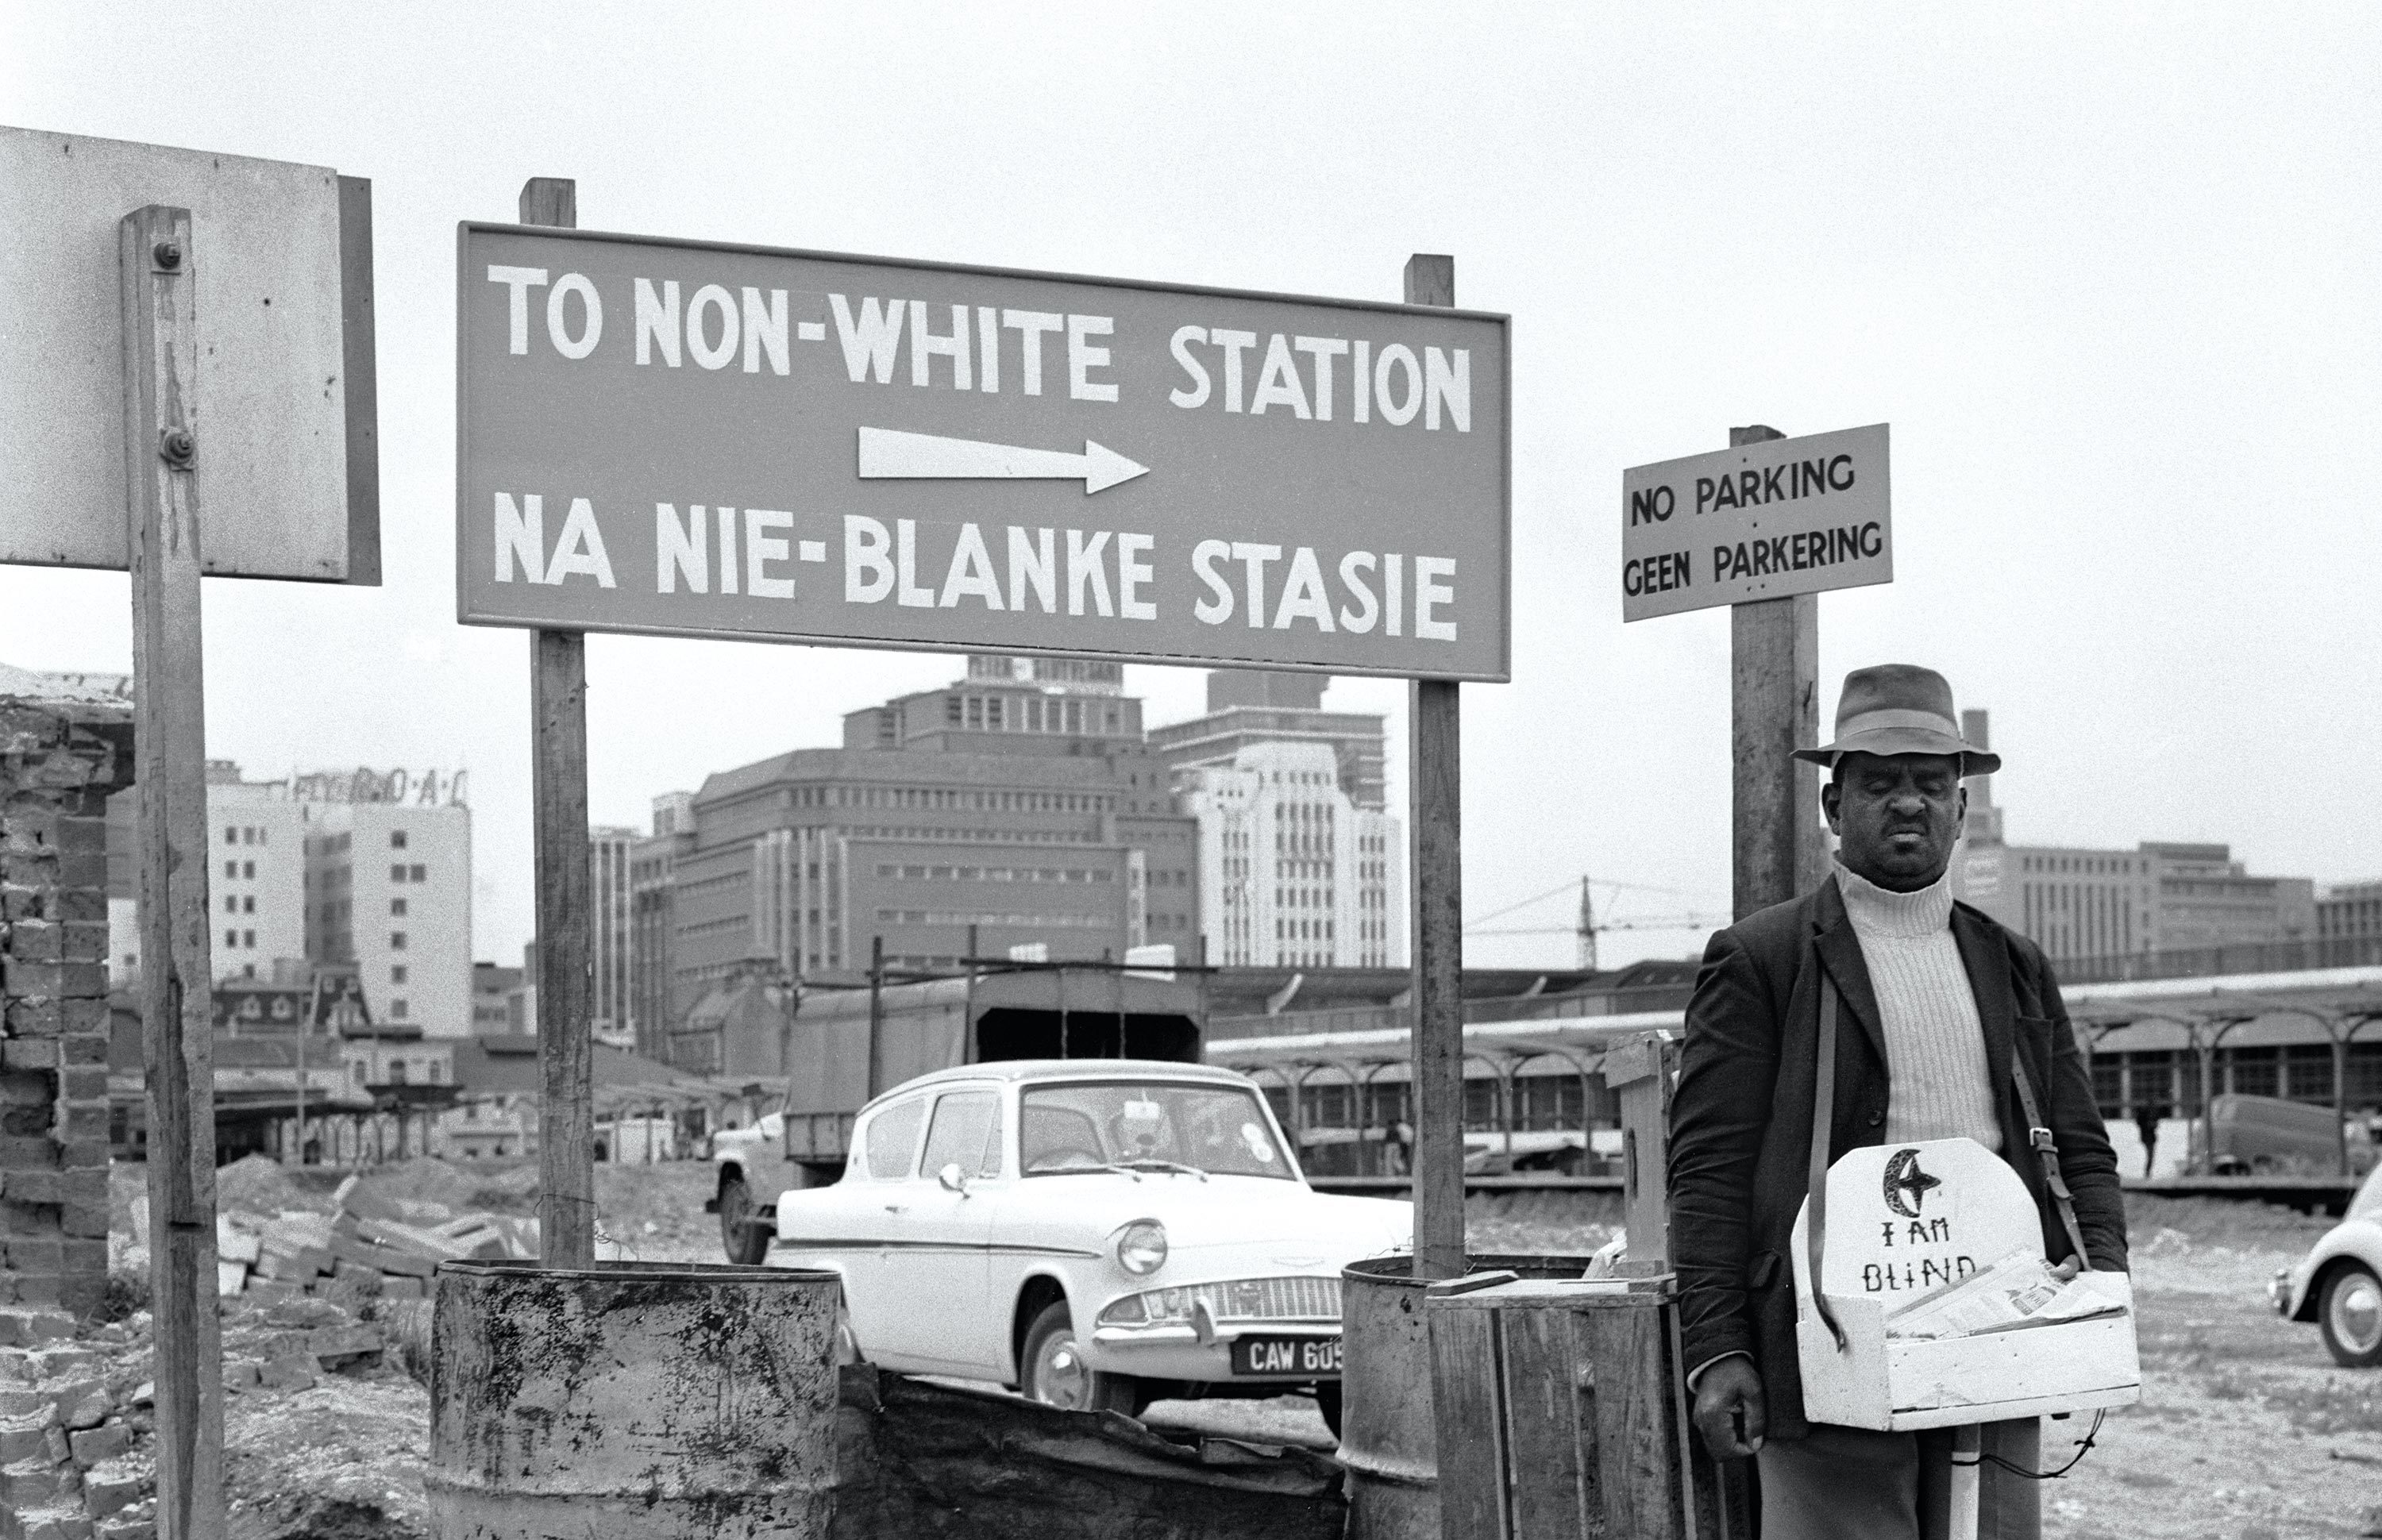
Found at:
<point>377,1245</point>
<point>76,1418</point>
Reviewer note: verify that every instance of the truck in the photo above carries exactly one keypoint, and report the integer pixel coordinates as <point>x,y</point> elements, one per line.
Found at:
<point>2271,1136</point>
<point>847,1045</point>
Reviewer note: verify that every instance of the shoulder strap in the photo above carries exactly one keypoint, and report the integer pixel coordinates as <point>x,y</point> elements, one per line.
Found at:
<point>1824,1108</point>
<point>2038,1134</point>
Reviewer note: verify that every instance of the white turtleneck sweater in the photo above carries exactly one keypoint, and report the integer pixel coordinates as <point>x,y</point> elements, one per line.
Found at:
<point>1934,1046</point>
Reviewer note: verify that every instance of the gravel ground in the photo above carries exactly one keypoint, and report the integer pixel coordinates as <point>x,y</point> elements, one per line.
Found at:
<point>2246,1430</point>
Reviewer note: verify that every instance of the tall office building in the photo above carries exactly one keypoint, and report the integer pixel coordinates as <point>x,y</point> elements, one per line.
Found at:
<point>1293,872</point>
<point>1247,707</point>
<point>1300,864</point>
<point>353,870</point>
<point>611,951</point>
<point>391,898</point>
<point>1018,805</point>
<point>653,909</point>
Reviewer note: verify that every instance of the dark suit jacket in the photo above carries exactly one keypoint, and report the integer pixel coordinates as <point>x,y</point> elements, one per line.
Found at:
<point>1741,1116</point>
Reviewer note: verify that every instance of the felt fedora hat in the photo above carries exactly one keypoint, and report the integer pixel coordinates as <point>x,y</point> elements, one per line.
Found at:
<point>1899,708</point>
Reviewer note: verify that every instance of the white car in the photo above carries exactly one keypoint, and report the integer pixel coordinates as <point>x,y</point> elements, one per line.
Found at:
<point>2338,1284</point>
<point>1096,1233</point>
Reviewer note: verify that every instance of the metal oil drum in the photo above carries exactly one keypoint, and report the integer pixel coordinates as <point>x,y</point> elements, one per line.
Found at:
<point>645,1401</point>
<point>1387,1440</point>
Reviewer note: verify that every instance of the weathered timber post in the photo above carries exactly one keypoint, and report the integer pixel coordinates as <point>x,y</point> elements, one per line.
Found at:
<point>565,1198</point>
<point>1435,789</point>
<point>1778,838</point>
<point>156,261</point>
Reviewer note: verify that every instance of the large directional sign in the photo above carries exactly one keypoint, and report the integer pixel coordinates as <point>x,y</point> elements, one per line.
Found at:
<point>1760,522</point>
<point>703,440</point>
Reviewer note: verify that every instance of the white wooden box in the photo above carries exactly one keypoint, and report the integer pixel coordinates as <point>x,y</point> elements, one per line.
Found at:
<point>1901,1221</point>
<point>1895,1384</point>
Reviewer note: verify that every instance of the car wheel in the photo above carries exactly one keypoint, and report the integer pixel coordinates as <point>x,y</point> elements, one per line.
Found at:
<point>746,1243</point>
<point>1054,1372</point>
<point>1327,1401</point>
<point>2351,1316</point>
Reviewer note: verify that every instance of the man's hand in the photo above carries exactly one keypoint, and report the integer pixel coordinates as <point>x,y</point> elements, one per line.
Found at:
<point>1729,1410</point>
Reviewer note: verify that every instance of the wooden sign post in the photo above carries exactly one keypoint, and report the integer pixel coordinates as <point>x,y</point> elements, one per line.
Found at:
<point>1778,842</point>
<point>122,326</point>
<point>160,453</point>
<point>566,1201</point>
<point>1435,796</point>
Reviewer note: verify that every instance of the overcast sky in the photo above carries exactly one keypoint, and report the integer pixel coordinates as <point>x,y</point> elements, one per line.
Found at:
<point>2111,279</point>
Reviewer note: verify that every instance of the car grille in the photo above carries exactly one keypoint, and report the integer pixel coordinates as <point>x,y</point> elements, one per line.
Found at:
<point>1288,1299</point>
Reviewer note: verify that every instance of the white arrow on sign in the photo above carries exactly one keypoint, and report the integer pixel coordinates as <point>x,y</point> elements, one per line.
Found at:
<point>887,453</point>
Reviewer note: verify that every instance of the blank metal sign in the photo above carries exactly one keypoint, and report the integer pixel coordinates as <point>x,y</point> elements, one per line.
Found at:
<point>283,406</point>
<point>1759,522</point>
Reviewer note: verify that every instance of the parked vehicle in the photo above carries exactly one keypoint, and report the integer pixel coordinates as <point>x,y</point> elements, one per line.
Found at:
<point>2271,1136</point>
<point>1094,1233</point>
<point>1064,1010</point>
<point>2338,1286</point>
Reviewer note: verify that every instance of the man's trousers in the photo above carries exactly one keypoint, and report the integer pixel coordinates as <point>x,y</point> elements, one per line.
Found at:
<point>1851,1484</point>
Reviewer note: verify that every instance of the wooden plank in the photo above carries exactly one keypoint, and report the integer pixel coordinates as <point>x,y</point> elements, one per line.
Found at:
<point>1637,1439</point>
<point>156,261</point>
<point>1538,1365</point>
<point>1435,791</point>
<point>1466,1380</point>
<point>1780,840</point>
<point>1645,1148</point>
<point>565,1198</point>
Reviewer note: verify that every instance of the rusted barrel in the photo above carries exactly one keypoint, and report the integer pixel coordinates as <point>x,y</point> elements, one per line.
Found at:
<point>643,1401</point>
<point>1387,1439</point>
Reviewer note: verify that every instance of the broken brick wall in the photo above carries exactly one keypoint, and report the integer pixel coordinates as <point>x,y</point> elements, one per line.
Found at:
<point>59,760</point>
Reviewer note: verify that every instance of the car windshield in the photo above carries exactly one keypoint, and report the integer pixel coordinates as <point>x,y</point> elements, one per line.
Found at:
<point>1147,1125</point>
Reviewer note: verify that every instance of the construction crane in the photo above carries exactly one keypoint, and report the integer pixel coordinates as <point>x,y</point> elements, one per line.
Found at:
<point>1589,927</point>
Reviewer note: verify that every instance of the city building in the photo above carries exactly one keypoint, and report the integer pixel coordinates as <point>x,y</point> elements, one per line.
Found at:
<point>653,918</point>
<point>493,989</point>
<point>358,872</point>
<point>2350,912</point>
<point>610,932</point>
<point>1293,871</point>
<point>1247,707</point>
<point>1300,864</point>
<point>1018,806</point>
<point>2077,902</point>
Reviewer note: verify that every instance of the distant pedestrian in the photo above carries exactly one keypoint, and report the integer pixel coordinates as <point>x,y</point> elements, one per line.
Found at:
<point>2147,1118</point>
<point>1397,1148</point>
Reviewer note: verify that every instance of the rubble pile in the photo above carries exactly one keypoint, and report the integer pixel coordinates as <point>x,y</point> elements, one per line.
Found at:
<point>375,1244</point>
<point>378,1241</point>
<point>76,1413</point>
<point>66,1429</point>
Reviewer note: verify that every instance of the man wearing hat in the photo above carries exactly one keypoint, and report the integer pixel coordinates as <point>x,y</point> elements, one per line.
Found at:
<point>1944,1013</point>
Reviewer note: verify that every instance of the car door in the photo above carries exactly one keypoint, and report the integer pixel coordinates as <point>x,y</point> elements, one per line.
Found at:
<point>944,1276</point>
<point>877,1219</point>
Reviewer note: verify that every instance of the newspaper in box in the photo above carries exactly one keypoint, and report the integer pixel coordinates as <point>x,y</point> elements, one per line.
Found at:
<point>1933,1270</point>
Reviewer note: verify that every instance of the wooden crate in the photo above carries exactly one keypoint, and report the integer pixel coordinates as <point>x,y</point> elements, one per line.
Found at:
<point>1561,1415</point>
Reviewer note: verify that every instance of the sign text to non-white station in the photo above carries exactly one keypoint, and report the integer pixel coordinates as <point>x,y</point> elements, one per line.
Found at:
<point>728,442</point>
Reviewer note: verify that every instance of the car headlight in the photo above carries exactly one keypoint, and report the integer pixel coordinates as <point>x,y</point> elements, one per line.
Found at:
<point>1140,1247</point>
